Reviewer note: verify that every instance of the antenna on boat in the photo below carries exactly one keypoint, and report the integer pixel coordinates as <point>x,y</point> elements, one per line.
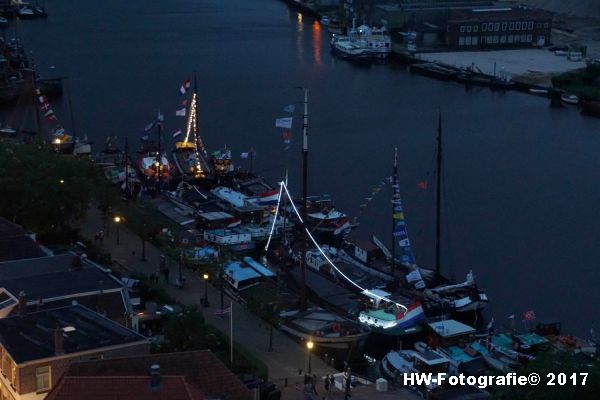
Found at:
<point>438,197</point>
<point>304,192</point>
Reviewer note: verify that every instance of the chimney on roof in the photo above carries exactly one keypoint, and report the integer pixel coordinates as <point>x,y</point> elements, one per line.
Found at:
<point>22,308</point>
<point>154,376</point>
<point>59,341</point>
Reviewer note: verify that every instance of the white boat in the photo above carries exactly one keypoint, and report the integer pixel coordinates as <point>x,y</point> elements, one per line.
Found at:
<point>363,42</point>
<point>396,363</point>
<point>464,296</point>
<point>388,318</point>
<point>569,98</point>
<point>538,91</point>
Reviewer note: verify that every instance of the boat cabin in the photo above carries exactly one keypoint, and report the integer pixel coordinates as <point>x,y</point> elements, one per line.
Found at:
<point>245,274</point>
<point>214,220</point>
<point>447,333</point>
<point>224,237</point>
<point>366,252</point>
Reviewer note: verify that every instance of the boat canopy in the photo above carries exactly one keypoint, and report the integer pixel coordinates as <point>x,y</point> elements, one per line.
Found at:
<point>334,214</point>
<point>261,269</point>
<point>450,328</point>
<point>236,199</point>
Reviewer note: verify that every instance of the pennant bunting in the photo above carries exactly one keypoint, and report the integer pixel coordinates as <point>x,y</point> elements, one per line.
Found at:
<point>184,87</point>
<point>284,123</point>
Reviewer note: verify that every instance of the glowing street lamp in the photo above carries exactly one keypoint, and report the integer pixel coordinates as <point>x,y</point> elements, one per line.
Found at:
<point>205,300</point>
<point>117,220</point>
<point>309,346</point>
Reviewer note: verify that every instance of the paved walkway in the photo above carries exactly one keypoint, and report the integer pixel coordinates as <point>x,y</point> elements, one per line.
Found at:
<point>248,330</point>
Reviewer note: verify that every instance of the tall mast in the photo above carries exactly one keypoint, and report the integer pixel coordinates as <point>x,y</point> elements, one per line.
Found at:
<point>38,124</point>
<point>394,183</point>
<point>73,130</point>
<point>304,194</point>
<point>126,168</point>
<point>438,197</point>
<point>158,157</point>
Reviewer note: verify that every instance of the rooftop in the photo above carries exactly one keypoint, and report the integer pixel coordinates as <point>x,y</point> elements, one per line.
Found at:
<point>31,337</point>
<point>498,13</point>
<point>50,277</point>
<point>200,368</point>
<point>16,244</point>
<point>123,388</point>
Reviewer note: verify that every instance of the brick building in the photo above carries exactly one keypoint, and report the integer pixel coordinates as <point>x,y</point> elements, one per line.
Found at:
<point>37,348</point>
<point>499,27</point>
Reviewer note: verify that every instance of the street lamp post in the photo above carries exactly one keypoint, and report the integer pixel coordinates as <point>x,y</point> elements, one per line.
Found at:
<point>144,233</point>
<point>205,300</point>
<point>117,220</point>
<point>309,346</point>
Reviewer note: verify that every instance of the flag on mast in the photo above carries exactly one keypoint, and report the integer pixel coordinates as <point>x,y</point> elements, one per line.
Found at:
<point>284,123</point>
<point>290,108</point>
<point>184,87</point>
<point>180,113</point>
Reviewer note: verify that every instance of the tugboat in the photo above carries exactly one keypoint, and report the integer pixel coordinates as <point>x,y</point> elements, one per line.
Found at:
<point>331,334</point>
<point>363,42</point>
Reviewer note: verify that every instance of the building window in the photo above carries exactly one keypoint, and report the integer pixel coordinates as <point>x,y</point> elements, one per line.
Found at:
<point>484,27</point>
<point>511,38</point>
<point>523,38</point>
<point>497,26</point>
<point>530,25</point>
<point>476,28</point>
<point>511,26</point>
<point>461,41</point>
<point>468,41</point>
<point>546,25</point>
<point>474,41</point>
<point>462,28</point>
<point>42,379</point>
<point>518,26</point>
<point>469,28</point>
<point>538,25</point>
<point>491,26</point>
<point>503,39</point>
<point>504,25</point>
<point>529,38</point>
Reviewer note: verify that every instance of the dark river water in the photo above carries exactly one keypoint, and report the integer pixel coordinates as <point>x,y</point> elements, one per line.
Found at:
<point>521,180</point>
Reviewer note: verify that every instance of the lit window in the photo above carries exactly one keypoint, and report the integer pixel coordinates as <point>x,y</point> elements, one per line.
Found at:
<point>42,379</point>
<point>504,25</point>
<point>461,41</point>
<point>474,42</point>
<point>468,41</point>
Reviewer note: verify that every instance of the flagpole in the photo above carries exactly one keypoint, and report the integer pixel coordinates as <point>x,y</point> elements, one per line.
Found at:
<point>126,169</point>
<point>438,199</point>
<point>394,182</point>
<point>159,173</point>
<point>231,332</point>
<point>304,194</point>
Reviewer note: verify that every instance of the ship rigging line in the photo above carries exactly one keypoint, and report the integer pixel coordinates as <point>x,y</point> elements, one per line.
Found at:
<point>363,290</point>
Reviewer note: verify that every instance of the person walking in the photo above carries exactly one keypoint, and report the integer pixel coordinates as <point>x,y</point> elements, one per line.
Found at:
<point>348,375</point>
<point>326,385</point>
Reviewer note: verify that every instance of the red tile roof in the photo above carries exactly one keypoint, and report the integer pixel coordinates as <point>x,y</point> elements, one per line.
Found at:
<point>201,369</point>
<point>123,388</point>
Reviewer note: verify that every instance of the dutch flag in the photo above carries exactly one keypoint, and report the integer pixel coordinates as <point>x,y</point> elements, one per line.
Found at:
<point>269,198</point>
